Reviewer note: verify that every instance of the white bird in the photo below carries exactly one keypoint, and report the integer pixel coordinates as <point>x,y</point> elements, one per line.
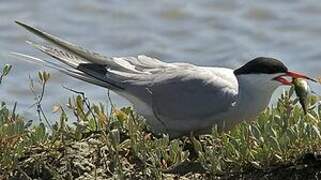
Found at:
<point>175,98</point>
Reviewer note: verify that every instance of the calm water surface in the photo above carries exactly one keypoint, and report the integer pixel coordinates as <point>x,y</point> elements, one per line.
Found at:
<point>225,33</point>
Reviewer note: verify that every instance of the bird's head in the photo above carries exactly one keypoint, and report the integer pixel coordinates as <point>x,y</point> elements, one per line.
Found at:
<point>267,74</point>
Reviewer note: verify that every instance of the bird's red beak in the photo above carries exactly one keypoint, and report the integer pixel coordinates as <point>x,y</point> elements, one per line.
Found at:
<point>282,78</point>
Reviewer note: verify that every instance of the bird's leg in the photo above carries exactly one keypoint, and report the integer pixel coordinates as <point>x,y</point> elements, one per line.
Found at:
<point>193,140</point>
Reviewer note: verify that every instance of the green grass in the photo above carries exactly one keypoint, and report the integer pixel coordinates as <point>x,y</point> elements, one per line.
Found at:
<point>98,143</point>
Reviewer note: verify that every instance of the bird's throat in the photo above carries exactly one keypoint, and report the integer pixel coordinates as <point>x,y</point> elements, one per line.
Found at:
<point>254,97</point>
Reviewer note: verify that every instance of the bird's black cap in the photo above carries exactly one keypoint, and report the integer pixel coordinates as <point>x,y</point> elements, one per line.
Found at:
<point>262,65</point>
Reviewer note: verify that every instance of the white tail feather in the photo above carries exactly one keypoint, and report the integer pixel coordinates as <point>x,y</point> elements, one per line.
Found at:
<point>73,73</point>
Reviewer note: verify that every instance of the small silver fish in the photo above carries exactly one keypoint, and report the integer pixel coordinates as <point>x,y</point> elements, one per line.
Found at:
<point>301,89</point>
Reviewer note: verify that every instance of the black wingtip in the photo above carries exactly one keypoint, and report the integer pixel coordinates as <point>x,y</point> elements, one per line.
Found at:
<point>24,25</point>
<point>21,24</point>
<point>97,71</point>
<point>29,28</point>
<point>33,30</point>
<point>98,68</point>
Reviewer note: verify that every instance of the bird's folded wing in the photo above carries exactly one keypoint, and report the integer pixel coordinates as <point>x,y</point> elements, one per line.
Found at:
<point>192,95</point>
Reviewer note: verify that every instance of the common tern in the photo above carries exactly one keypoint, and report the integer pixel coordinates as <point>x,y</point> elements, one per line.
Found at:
<point>174,98</point>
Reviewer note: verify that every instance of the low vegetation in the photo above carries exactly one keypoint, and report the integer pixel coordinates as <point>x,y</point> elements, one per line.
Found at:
<point>98,142</point>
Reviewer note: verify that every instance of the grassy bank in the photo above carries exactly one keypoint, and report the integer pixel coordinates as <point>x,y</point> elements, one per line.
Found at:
<point>96,142</point>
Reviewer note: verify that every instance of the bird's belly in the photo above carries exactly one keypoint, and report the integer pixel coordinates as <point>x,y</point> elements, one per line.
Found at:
<point>172,127</point>
<point>223,122</point>
<point>146,110</point>
<point>179,127</point>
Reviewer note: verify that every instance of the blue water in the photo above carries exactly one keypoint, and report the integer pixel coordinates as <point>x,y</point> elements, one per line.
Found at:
<point>221,33</point>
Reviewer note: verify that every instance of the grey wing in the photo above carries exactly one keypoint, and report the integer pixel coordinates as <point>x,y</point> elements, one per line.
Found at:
<point>192,97</point>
